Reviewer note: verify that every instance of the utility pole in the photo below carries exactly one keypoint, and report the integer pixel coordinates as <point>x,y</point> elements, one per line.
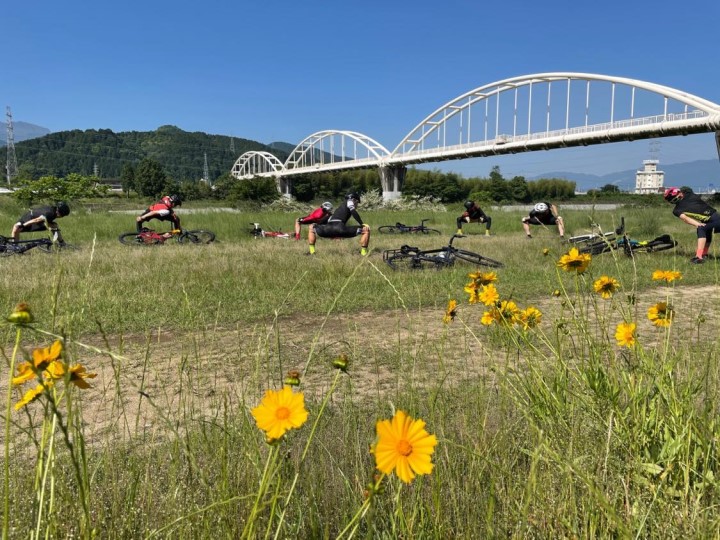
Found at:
<point>11,167</point>
<point>232,145</point>
<point>206,171</point>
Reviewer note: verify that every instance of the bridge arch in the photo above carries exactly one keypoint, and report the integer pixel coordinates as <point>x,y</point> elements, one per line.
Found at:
<point>264,164</point>
<point>338,148</point>
<point>506,115</point>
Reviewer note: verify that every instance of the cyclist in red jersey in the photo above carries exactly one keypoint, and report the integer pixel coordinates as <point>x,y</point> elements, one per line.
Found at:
<point>336,226</point>
<point>161,210</point>
<point>318,216</point>
<point>693,210</point>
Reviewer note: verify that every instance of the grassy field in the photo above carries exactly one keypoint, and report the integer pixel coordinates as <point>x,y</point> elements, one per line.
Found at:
<point>547,431</point>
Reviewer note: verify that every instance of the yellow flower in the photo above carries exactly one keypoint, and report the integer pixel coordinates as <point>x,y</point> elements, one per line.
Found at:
<point>32,395</point>
<point>661,314</point>
<point>625,334</point>
<point>405,446</point>
<point>574,260</point>
<point>489,317</point>
<point>483,278</point>
<point>280,411</point>
<point>471,289</point>
<point>530,317</point>
<point>489,295</point>
<point>605,286</point>
<point>666,275</point>
<point>42,358</point>
<point>506,312</point>
<point>450,312</point>
<point>556,292</point>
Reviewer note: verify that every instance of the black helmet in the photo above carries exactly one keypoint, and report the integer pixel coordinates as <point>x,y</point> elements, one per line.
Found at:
<point>469,204</point>
<point>176,200</point>
<point>62,208</point>
<point>354,196</point>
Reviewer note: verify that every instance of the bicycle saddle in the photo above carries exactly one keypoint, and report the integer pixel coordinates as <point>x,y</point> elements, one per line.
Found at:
<point>408,249</point>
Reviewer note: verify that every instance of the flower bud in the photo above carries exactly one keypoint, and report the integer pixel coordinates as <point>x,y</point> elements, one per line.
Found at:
<point>21,314</point>
<point>293,378</point>
<point>341,362</point>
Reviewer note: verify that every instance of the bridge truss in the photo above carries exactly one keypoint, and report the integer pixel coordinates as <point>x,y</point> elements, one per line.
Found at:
<point>520,114</point>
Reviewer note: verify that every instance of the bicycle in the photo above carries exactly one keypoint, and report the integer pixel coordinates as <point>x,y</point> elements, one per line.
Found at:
<point>148,237</point>
<point>414,258</point>
<point>400,228</point>
<point>598,243</point>
<point>46,245</point>
<point>259,232</point>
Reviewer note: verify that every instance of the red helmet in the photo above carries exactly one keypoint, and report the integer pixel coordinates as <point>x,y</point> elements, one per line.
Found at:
<point>673,194</point>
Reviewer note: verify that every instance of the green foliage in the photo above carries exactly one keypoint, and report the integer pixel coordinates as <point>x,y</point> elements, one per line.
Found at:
<point>127,178</point>
<point>150,178</point>
<point>50,188</point>
<point>262,190</point>
<point>443,186</point>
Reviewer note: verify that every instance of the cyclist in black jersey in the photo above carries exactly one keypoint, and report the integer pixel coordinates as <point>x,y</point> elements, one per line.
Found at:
<point>336,226</point>
<point>693,210</point>
<point>41,219</point>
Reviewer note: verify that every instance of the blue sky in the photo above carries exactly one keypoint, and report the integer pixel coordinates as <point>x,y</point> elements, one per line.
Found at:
<point>279,71</point>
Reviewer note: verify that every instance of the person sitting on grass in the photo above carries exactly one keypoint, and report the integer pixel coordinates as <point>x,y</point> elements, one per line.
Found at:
<point>543,213</point>
<point>691,209</point>
<point>41,219</point>
<point>161,210</point>
<point>474,214</point>
<point>336,226</point>
<point>318,216</point>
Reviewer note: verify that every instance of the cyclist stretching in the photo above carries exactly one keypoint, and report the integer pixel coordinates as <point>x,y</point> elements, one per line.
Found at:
<point>317,216</point>
<point>691,209</point>
<point>543,213</point>
<point>41,219</point>
<point>161,210</point>
<point>474,214</point>
<point>337,227</point>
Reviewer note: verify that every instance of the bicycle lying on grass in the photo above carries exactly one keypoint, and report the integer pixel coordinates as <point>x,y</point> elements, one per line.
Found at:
<point>597,243</point>
<point>259,232</point>
<point>46,245</point>
<point>149,237</point>
<point>419,259</point>
<point>400,228</point>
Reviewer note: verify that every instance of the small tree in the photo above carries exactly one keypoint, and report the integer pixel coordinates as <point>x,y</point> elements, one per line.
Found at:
<point>127,178</point>
<point>50,188</point>
<point>150,178</point>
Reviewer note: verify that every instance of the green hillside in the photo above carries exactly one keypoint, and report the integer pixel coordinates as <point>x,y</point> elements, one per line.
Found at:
<point>181,153</point>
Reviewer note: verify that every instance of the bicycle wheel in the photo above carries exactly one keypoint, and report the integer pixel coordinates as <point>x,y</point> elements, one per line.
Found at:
<point>659,244</point>
<point>415,261</point>
<point>425,230</point>
<point>388,229</point>
<point>131,239</point>
<point>196,237</point>
<point>478,259</point>
<point>597,248</point>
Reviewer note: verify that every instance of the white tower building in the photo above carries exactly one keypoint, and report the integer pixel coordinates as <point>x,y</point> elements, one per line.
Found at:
<point>649,180</point>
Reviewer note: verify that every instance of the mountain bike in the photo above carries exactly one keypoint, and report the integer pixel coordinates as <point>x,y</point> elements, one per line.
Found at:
<point>149,237</point>
<point>414,258</point>
<point>598,243</point>
<point>46,245</point>
<point>400,228</point>
<point>259,232</point>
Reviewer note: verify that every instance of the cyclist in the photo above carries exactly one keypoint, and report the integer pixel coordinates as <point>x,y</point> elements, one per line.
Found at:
<point>42,219</point>
<point>336,226</point>
<point>691,209</point>
<point>319,215</point>
<point>543,213</point>
<point>161,210</point>
<point>474,214</point>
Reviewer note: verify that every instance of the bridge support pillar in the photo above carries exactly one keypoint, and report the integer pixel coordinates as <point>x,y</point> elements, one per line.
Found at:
<point>392,180</point>
<point>284,186</point>
<point>717,142</point>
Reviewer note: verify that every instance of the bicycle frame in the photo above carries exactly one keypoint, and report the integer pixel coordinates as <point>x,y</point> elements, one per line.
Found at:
<point>259,232</point>
<point>620,240</point>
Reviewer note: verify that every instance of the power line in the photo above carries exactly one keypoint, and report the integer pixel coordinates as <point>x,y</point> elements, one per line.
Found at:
<point>11,166</point>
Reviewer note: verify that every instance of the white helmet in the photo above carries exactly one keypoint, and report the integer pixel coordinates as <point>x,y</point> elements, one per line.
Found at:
<point>327,206</point>
<point>541,207</point>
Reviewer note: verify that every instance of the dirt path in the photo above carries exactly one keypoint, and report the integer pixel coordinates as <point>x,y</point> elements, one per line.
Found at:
<point>150,383</point>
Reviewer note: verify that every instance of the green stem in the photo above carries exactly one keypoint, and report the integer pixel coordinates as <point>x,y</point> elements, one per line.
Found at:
<point>8,410</point>
<point>262,489</point>
<point>305,450</point>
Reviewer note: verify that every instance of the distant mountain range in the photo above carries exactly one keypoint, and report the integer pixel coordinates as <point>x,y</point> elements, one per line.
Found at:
<point>700,175</point>
<point>22,131</point>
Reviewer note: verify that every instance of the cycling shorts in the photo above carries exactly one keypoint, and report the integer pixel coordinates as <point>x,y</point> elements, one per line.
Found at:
<point>337,229</point>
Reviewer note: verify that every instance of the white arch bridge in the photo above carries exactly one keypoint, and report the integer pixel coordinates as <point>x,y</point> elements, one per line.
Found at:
<point>520,114</point>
